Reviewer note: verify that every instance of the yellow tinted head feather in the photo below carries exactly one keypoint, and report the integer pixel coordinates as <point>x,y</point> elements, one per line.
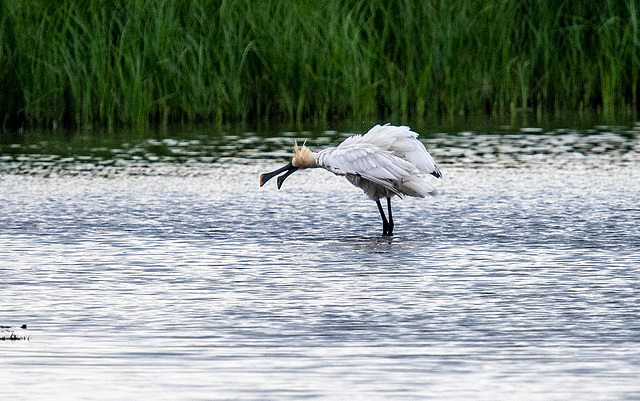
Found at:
<point>303,157</point>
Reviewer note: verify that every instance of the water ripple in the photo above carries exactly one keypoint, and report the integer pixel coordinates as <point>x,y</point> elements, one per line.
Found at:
<point>165,279</point>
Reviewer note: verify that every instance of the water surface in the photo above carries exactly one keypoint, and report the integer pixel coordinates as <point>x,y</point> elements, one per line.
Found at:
<point>156,268</point>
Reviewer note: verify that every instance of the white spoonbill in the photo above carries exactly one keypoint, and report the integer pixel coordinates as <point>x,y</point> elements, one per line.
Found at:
<point>383,162</point>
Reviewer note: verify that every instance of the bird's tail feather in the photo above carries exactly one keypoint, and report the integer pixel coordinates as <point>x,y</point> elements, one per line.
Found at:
<point>414,186</point>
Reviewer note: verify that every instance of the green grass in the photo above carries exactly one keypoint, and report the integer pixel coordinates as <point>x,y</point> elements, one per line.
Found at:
<point>142,62</point>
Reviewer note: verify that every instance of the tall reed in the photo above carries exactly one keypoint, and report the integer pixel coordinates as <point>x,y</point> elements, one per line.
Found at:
<point>141,62</point>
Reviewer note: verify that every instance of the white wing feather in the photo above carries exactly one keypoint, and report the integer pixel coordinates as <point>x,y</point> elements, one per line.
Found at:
<point>399,140</point>
<point>382,162</point>
<point>364,160</point>
<point>367,162</point>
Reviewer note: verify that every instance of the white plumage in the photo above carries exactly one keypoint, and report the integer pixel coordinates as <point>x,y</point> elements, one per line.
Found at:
<point>383,162</point>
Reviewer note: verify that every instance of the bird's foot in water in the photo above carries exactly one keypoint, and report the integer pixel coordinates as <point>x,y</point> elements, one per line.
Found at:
<point>387,229</point>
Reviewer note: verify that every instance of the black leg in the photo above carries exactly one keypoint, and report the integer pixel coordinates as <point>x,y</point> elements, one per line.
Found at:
<point>385,223</point>
<point>390,226</point>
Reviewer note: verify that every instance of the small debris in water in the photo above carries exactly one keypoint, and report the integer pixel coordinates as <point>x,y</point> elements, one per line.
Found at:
<point>6,334</point>
<point>531,130</point>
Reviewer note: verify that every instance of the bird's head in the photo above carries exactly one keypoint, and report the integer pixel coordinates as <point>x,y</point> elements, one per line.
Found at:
<point>303,158</point>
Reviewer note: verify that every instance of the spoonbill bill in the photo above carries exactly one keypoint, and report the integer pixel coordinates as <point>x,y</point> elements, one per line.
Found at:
<point>384,162</point>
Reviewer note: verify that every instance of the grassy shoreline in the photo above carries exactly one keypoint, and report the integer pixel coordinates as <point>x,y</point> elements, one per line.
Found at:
<point>141,62</point>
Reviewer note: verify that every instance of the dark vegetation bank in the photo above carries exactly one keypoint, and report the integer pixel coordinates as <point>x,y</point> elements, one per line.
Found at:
<point>140,62</point>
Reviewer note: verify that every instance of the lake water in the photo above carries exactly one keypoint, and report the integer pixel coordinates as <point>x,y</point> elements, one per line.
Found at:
<point>159,269</point>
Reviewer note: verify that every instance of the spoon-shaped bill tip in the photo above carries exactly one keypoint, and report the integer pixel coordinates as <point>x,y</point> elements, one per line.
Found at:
<point>264,178</point>
<point>284,176</point>
<point>267,176</point>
